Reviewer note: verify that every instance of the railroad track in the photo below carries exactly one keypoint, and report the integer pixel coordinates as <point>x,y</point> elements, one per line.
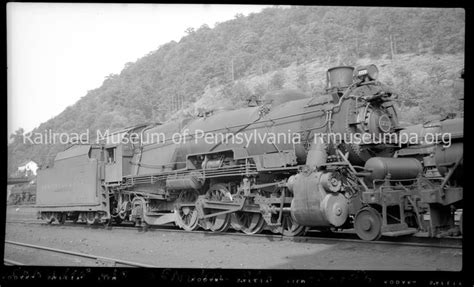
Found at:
<point>98,260</point>
<point>311,236</point>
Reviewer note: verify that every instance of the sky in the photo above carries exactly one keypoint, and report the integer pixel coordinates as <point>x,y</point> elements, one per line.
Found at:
<point>57,52</point>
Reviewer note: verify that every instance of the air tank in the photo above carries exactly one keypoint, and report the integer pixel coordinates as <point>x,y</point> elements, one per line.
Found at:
<point>398,168</point>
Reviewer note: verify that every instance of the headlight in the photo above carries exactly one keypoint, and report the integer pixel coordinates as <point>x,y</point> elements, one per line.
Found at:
<point>370,71</point>
<point>373,72</point>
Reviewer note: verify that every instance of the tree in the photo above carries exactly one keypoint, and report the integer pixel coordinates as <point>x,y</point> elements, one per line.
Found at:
<point>301,80</point>
<point>239,93</point>
<point>375,47</point>
<point>189,30</point>
<point>277,81</point>
<point>260,89</point>
<point>17,137</point>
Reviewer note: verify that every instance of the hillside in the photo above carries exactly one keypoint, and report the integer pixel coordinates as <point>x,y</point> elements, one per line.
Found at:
<point>426,84</point>
<point>418,51</point>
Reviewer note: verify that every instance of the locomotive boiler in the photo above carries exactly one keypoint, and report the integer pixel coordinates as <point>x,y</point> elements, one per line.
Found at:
<point>286,164</point>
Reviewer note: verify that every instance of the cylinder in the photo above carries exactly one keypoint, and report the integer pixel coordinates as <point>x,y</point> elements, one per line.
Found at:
<point>397,168</point>
<point>312,205</point>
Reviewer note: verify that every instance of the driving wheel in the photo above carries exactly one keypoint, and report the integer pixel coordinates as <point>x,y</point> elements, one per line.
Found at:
<point>187,217</point>
<point>219,223</point>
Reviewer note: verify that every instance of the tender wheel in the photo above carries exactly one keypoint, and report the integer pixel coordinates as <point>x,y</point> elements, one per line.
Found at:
<point>106,222</point>
<point>187,217</point>
<point>290,227</point>
<point>61,217</point>
<point>49,217</point>
<point>220,223</point>
<point>247,222</point>
<point>90,218</point>
<point>122,216</point>
<point>117,220</point>
<point>75,217</point>
<point>121,213</point>
<point>368,224</point>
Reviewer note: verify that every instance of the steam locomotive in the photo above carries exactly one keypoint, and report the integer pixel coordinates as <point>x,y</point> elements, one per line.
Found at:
<point>219,176</point>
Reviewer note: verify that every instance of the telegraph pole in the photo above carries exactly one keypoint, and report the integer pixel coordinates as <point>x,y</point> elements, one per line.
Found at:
<point>232,65</point>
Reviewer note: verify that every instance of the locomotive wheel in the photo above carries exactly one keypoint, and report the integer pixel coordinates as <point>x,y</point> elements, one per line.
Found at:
<point>368,224</point>
<point>187,217</point>
<point>411,220</point>
<point>90,218</point>
<point>220,223</point>
<point>248,222</point>
<point>290,227</point>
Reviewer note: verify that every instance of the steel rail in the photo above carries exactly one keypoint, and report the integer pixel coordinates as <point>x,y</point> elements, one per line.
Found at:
<point>311,238</point>
<point>273,236</point>
<point>12,262</point>
<point>78,254</point>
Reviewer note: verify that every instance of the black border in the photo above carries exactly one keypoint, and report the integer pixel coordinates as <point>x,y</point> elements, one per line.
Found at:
<point>19,275</point>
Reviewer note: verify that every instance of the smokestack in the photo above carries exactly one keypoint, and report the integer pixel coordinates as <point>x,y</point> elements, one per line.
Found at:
<point>339,77</point>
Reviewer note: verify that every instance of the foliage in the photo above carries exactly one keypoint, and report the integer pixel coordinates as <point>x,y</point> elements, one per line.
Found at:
<point>260,90</point>
<point>302,80</point>
<point>277,81</point>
